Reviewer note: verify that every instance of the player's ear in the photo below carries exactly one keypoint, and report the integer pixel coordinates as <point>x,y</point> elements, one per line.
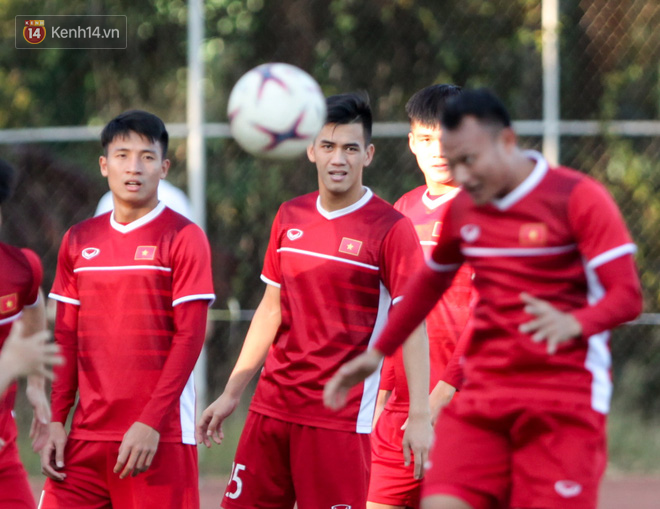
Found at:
<point>369,154</point>
<point>103,165</point>
<point>310,153</point>
<point>509,138</point>
<point>411,143</point>
<point>165,167</point>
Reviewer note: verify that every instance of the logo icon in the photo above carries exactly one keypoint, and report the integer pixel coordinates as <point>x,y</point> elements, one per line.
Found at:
<point>341,506</point>
<point>8,303</point>
<point>352,247</point>
<point>533,234</point>
<point>90,252</point>
<point>145,253</point>
<point>568,489</point>
<point>34,31</point>
<point>294,234</point>
<point>470,232</point>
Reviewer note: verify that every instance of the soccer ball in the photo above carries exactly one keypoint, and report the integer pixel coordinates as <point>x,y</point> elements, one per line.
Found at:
<point>275,110</point>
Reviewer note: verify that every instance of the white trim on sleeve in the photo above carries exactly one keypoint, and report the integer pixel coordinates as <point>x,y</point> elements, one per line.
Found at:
<point>62,298</point>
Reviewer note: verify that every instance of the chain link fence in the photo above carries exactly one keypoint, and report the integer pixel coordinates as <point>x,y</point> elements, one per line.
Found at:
<point>609,70</point>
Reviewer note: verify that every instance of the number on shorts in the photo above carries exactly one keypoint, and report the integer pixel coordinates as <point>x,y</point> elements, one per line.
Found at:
<point>235,470</point>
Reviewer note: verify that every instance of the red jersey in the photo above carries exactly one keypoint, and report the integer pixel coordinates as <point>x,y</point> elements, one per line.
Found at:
<point>445,323</point>
<point>549,237</point>
<point>20,278</point>
<point>125,281</point>
<point>338,272</point>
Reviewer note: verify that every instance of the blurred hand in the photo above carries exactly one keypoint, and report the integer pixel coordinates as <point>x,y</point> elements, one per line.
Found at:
<point>29,355</point>
<point>549,324</point>
<point>349,375</point>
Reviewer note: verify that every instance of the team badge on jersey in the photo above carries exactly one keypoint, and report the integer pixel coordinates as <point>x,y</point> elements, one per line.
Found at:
<point>8,303</point>
<point>437,227</point>
<point>90,252</point>
<point>533,234</point>
<point>145,253</point>
<point>294,234</point>
<point>470,232</point>
<point>350,246</point>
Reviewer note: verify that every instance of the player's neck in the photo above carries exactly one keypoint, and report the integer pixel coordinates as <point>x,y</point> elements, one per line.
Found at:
<point>336,201</point>
<point>522,167</point>
<point>127,213</point>
<point>438,189</point>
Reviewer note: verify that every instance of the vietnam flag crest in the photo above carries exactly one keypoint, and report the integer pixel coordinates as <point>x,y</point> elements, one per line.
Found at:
<point>8,303</point>
<point>350,246</point>
<point>533,234</point>
<point>145,253</point>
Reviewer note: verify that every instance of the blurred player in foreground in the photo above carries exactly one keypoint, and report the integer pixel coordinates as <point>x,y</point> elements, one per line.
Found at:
<point>554,271</point>
<point>336,259</point>
<point>393,485</point>
<point>132,288</point>
<point>20,300</point>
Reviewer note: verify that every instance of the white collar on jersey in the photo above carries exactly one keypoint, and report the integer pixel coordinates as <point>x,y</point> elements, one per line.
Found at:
<point>434,203</point>
<point>368,193</point>
<point>527,185</point>
<point>125,228</point>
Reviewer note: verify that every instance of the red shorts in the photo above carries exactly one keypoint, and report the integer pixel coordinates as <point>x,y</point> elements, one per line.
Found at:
<point>279,463</point>
<point>170,483</point>
<point>391,483</point>
<point>15,492</point>
<point>505,453</point>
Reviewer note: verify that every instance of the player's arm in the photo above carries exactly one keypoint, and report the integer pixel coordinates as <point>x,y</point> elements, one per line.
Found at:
<point>603,240</point>
<point>63,391</point>
<point>419,297</point>
<point>418,434</point>
<point>452,378</point>
<point>34,320</point>
<point>140,442</point>
<point>259,338</point>
<point>622,302</point>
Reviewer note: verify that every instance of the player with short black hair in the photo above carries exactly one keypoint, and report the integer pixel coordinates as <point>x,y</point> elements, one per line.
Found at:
<point>21,300</point>
<point>133,288</point>
<point>336,260</point>
<point>392,484</point>
<point>554,271</point>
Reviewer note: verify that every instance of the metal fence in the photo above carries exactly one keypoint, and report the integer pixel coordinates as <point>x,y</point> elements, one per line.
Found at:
<point>606,120</point>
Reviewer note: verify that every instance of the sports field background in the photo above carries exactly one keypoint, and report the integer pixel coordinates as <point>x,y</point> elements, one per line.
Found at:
<point>609,103</point>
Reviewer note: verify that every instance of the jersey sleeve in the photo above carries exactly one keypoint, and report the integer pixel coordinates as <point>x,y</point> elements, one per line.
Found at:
<point>191,267</point>
<point>37,277</point>
<point>401,257</point>
<point>64,287</point>
<point>271,273</point>
<point>597,224</point>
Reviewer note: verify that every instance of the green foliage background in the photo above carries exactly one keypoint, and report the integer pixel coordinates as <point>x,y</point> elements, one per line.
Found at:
<point>610,70</point>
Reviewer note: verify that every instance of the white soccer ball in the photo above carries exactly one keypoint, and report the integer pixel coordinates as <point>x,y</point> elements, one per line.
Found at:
<point>275,110</point>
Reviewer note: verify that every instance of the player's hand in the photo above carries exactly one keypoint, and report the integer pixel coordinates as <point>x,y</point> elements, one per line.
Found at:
<point>417,441</point>
<point>52,454</point>
<point>549,324</point>
<point>439,398</point>
<point>209,425</point>
<point>40,416</point>
<point>29,355</point>
<point>348,375</point>
<point>137,450</point>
